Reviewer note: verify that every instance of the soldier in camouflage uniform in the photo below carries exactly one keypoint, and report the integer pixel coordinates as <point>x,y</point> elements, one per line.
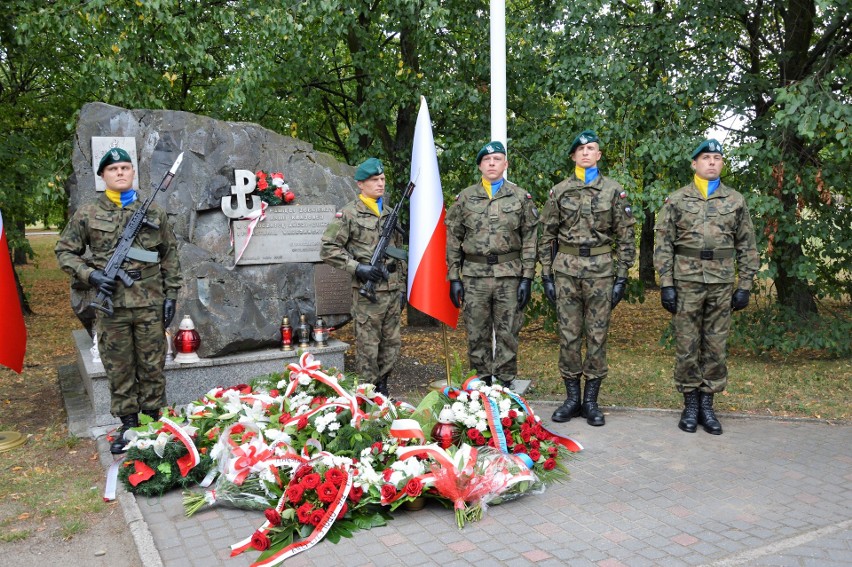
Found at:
<point>348,244</point>
<point>585,219</point>
<point>132,341</point>
<point>491,243</point>
<point>703,232</point>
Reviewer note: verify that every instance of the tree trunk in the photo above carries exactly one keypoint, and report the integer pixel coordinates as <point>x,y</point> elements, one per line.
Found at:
<point>25,305</point>
<point>19,255</point>
<point>792,291</point>
<point>647,273</point>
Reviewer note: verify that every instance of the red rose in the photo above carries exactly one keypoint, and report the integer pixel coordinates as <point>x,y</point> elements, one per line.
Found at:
<point>295,492</point>
<point>413,488</point>
<point>472,433</point>
<point>237,429</point>
<point>519,449</point>
<point>535,455</point>
<point>326,492</point>
<point>273,392</point>
<point>492,443</point>
<point>259,541</point>
<point>552,451</point>
<point>355,494</point>
<point>343,510</point>
<point>376,447</point>
<point>316,517</point>
<point>301,472</point>
<point>506,422</point>
<point>284,418</point>
<point>526,436</point>
<point>535,444</point>
<point>303,512</point>
<point>289,196</point>
<point>549,464</point>
<point>453,395</point>
<point>388,492</point>
<point>302,423</point>
<point>513,414</point>
<point>480,439</point>
<point>219,394</point>
<point>272,516</point>
<point>311,480</point>
<point>386,474</point>
<point>242,388</point>
<point>335,476</point>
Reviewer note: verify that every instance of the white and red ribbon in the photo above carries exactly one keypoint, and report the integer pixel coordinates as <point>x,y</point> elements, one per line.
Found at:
<point>253,217</point>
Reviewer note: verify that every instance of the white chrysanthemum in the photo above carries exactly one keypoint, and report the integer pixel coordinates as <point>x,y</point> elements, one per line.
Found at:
<point>305,379</point>
<point>505,404</point>
<point>469,421</point>
<point>333,426</point>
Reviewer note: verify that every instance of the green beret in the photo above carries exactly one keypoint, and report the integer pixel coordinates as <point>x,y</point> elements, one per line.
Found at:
<point>490,148</point>
<point>585,137</point>
<point>368,169</point>
<point>114,155</point>
<point>711,146</point>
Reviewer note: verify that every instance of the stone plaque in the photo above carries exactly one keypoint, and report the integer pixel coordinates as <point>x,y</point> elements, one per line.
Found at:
<point>102,144</point>
<point>288,234</point>
<point>333,290</point>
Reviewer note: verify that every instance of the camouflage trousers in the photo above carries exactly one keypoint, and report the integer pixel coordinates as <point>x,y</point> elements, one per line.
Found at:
<point>492,303</point>
<point>701,327</point>
<point>132,346</point>
<point>377,337</point>
<point>583,306</point>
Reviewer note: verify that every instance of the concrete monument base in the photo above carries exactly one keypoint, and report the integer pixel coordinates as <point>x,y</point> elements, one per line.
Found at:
<point>188,382</point>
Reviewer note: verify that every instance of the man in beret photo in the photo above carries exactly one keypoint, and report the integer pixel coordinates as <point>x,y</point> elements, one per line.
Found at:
<point>587,240</point>
<point>704,243</point>
<point>492,230</point>
<point>132,341</point>
<point>348,244</point>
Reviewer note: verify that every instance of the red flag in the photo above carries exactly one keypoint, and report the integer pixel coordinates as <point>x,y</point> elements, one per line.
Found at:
<point>428,288</point>
<point>13,333</point>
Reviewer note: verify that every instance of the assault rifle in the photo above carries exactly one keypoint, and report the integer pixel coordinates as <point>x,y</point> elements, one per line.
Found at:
<point>381,252</point>
<point>113,269</point>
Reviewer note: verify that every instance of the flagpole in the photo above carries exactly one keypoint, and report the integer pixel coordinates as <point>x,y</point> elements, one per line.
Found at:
<point>446,351</point>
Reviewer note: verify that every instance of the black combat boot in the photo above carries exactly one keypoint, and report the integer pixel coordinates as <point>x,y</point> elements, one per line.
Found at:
<point>589,409</point>
<point>154,414</point>
<point>127,422</point>
<point>506,383</point>
<point>689,416</point>
<point>382,385</point>
<point>571,406</point>
<point>488,379</point>
<point>706,416</point>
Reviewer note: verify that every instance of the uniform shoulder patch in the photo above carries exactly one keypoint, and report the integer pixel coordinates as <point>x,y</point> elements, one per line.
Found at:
<point>529,196</point>
<point>457,196</point>
<point>622,195</point>
<point>628,210</point>
<point>339,214</point>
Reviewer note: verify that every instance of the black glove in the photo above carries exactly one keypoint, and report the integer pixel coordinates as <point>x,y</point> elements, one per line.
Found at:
<point>618,289</point>
<point>740,299</point>
<point>549,288</point>
<point>366,272</point>
<point>456,292</point>
<point>99,280</point>
<point>524,292</point>
<point>668,297</point>
<point>168,311</point>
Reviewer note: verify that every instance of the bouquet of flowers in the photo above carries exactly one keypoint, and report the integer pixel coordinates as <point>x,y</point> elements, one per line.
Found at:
<point>272,189</point>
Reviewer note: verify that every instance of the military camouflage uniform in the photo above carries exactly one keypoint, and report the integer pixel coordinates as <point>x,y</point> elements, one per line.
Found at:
<point>720,226</point>
<point>131,342</point>
<point>505,228</point>
<point>350,239</point>
<point>585,223</point>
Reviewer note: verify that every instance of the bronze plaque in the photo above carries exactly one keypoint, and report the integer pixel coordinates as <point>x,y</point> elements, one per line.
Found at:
<point>288,234</point>
<point>333,290</point>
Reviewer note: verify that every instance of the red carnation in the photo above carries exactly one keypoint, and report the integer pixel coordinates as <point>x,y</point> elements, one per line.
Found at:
<point>302,423</point>
<point>261,183</point>
<point>326,492</point>
<point>259,541</point>
<point>413,487</point>
<point>388,492</point>
<point>311,480</point>
<point>535,455</point>
<point>272,516</point>
<point>274,393</point>
<point>549,464</point>
<point>355,494</point>
<point>303,512</point>
<point>295,492</point>
<point>335,476</point>
<point>279,193</point>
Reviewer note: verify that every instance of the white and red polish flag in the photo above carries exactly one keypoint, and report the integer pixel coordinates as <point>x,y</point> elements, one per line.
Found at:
<point>13,333</point>
<point>428,288</point>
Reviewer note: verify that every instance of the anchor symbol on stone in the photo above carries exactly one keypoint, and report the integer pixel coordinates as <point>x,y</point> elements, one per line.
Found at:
<point>245,184</point>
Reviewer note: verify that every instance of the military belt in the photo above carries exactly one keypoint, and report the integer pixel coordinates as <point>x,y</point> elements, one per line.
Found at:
<point>584,251</point>
<point>716,254</point>
<point>492,259</point>
<point>137,275</point>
